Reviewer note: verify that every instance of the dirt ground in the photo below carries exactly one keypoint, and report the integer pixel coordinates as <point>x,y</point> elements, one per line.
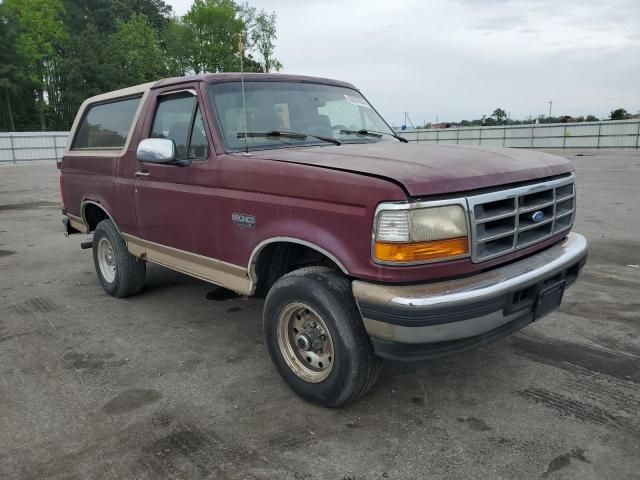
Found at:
<point>169,384</point>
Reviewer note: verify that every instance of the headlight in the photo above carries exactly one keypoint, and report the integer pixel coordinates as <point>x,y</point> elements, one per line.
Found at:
<point>420,234</point>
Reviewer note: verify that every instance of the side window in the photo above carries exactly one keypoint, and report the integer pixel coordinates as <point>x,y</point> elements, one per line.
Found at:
<point>198,147</point>
<point>106,125</point>
<point>178,118</point>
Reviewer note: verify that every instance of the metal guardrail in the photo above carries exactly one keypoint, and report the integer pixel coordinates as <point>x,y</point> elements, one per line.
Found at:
<point>32,146</point>
<point>606,134</point>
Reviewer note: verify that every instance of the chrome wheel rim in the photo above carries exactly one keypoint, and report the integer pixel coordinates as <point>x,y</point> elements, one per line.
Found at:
<point>305,342</point>
<point>106,260</point>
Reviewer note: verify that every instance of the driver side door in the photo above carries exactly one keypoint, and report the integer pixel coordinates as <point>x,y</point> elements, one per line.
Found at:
<point>166,195</point>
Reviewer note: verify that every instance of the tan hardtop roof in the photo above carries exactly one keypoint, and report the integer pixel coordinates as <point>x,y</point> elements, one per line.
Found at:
<point>123,92</point>
<point>212,77</point>
<point>248,77</point>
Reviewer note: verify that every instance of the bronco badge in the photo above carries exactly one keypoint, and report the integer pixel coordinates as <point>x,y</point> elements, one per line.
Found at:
<point>243,219</point>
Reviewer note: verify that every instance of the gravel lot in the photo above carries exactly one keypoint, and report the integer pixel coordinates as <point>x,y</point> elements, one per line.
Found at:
<point>169,384</point>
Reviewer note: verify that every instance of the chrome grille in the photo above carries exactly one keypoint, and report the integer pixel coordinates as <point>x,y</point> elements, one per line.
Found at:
<point>502,221</point>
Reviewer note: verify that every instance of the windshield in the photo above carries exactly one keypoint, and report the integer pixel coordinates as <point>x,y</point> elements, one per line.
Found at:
<point>309,108</point>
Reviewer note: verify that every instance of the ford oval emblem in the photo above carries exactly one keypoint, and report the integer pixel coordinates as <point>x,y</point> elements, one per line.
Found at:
<point>538,216</point>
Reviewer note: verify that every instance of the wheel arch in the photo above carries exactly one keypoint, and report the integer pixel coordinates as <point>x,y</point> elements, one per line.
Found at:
<point>93,212</point>
<point>257,255</point>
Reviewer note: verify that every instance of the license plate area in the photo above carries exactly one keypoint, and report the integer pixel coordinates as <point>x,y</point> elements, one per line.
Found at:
<point>548,299</point>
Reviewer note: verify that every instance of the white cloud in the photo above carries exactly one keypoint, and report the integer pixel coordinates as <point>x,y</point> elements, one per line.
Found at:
<point>463,58</point>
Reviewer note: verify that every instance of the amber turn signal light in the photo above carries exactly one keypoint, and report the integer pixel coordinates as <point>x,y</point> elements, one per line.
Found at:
<point>421,251</point>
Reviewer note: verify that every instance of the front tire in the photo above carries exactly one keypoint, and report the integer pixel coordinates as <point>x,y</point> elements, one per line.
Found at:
<point>316,338</point>
<point>120,273</point>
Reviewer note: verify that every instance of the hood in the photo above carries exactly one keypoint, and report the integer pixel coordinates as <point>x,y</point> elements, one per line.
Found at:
<point>429,169</point>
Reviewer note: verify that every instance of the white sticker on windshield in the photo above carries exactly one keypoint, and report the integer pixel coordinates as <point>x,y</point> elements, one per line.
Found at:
<point>358,101</point>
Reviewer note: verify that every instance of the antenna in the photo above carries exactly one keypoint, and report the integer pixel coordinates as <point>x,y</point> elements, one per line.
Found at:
<point>244,103</point>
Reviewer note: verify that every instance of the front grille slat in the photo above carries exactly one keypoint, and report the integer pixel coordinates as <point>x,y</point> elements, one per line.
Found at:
<point>497,217</point>
<point>533,208</point>
<point>562,199</point>
<point>535,225</point>
<point>496,236</point>
<point>503,221</point>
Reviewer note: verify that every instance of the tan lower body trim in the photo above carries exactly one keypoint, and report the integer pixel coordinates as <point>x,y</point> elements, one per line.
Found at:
<point>211,270</point>
<point>77,223</point>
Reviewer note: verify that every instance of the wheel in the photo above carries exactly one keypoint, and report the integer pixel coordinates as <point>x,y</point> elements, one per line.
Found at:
<point>120,273</point>
<point>316,338</point>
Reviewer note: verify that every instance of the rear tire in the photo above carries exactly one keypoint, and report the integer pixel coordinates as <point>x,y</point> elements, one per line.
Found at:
<point>316,339</point>
<point>120,273</point>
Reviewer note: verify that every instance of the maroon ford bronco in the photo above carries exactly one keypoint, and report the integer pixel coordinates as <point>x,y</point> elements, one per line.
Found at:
<point>296,190</point>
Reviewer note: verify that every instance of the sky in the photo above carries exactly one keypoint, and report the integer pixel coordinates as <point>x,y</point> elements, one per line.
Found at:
<point>461,59</point>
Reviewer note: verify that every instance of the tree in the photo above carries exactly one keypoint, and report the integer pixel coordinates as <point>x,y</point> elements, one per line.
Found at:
<point>179,43</point>
<point>84,70</point>
<point>135,53</point>
<point>592,118</point>
<point>619,114</point>
<point>9,70</point>
<point>263,36</point>
<point>104,15</point>
<point>499,115</point>
<point>40,33</point>
<point>216,26</point>
<point>206,39</point>
<point>56,53</point>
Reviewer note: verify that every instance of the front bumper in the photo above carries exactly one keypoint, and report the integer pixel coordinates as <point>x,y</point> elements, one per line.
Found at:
<point>413,322</point>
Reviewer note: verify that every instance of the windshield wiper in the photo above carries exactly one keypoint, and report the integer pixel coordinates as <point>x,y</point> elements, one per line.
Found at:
<point>373,133</point>
<point>283,134</point>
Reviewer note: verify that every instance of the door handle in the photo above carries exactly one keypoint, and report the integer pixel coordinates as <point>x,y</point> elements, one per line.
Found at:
<point>141,173</point>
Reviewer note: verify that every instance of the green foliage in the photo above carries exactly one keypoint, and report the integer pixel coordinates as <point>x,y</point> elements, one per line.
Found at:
<point>9,69</point>
<point>216,27</point>
<point>619,114</point>
<point>592,118</point>
<point>40,29</point>
<point>179,40</point>
<point>104,15</point>
<point>40,32</point>
<point>263,36</point>
<point>135,53</point>
<point>56,53</point>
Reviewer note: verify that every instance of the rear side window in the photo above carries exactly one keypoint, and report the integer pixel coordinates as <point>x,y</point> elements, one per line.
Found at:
<point>106,125</point>
<point>178,118</point>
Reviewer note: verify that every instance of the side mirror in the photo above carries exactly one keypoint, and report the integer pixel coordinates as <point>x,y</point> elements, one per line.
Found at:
<point>156,150</point>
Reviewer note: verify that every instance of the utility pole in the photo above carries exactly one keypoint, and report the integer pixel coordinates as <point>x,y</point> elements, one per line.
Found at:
<point>407,120</point>
<point>550,104</point>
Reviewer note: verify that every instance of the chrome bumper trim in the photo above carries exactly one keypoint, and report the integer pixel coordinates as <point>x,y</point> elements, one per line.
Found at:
<point>461,308</point>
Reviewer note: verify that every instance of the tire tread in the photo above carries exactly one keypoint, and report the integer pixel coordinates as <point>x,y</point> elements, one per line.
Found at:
<point>131,271</point>
<point>364,377</point>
